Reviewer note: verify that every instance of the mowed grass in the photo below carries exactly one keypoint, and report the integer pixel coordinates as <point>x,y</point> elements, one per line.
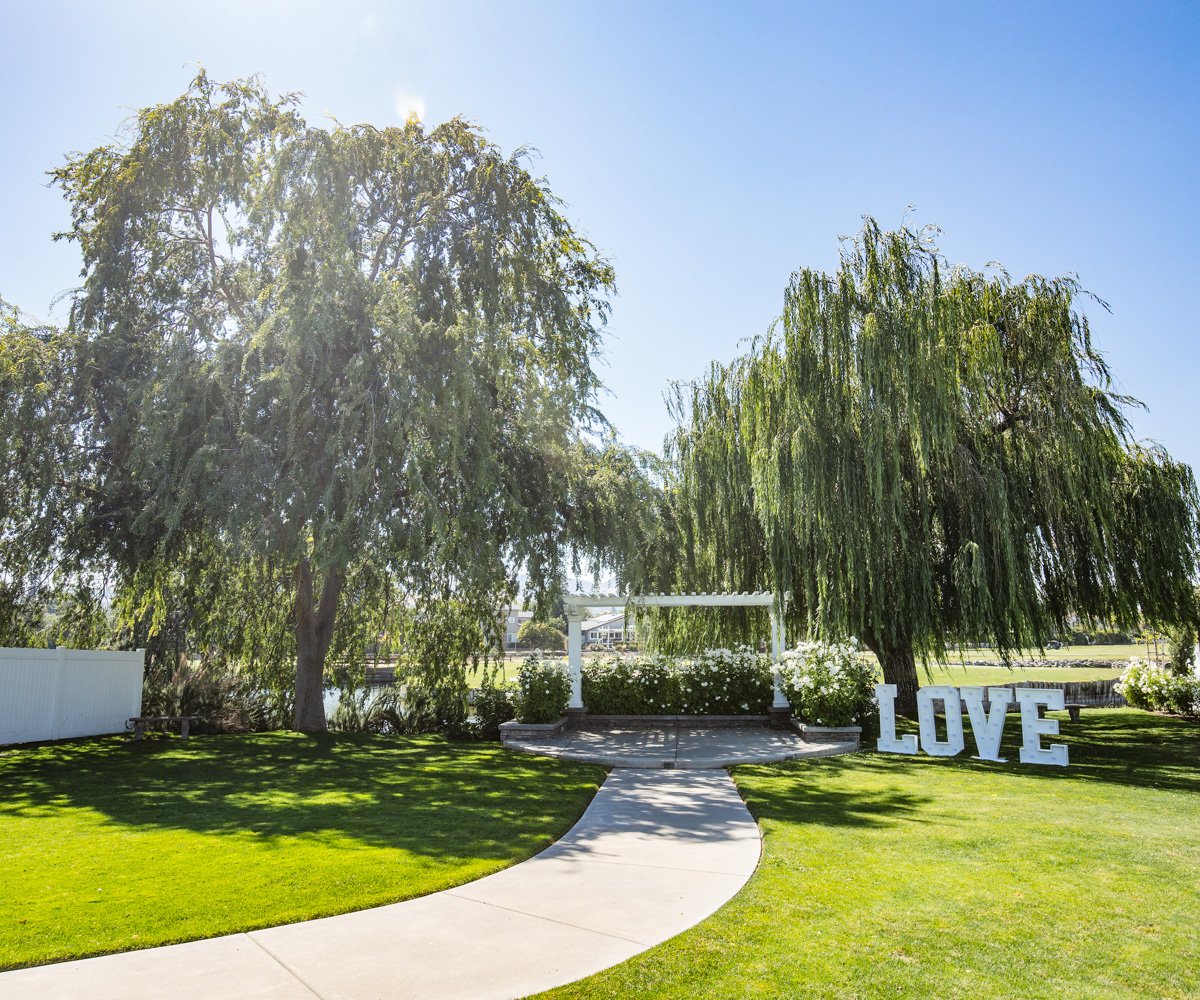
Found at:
<point>109,845</point>
<point>958,675</point>
<point>1065,653</point>
<point>890,876</point>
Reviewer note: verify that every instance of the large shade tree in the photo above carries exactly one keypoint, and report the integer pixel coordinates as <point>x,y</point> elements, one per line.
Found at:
<point>922,455</point>
<point>322,358</point>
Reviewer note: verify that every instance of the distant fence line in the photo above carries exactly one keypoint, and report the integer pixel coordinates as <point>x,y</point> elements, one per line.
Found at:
<point>57,694</point>
<point>1093,694</point>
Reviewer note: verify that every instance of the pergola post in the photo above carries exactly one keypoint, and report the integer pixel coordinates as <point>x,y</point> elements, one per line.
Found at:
<point>575,656</point>
<point>777,645</point>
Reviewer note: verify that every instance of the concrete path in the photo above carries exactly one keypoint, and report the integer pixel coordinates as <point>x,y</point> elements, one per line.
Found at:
<point>678,746</point>
<point>655,853</point>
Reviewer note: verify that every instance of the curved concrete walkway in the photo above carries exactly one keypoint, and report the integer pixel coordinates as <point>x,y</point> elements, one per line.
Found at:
<point>655,853</point>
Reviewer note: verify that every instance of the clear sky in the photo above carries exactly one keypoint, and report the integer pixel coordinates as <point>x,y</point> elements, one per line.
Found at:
<point>708,149</point>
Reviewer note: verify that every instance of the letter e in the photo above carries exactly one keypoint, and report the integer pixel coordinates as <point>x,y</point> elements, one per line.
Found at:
<point>1032,751</point>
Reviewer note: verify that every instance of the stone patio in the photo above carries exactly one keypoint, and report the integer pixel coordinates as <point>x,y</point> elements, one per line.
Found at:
<point>677,746</point>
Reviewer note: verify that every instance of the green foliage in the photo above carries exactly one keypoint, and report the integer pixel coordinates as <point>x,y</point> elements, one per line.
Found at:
<point>37,457</point>
<point>828,684</point>
<point>313,377</point>
<point>224,701</point>
<point>1106,637</point>
<point>542,691</point>
<point>438,706</point>
<point>370,710</point>
<point>623,685</point>
<point>493,706</point>
<point>1158,688</point>
<point>713,682</point>
<point>690,631</point>
<point>1182,638</point>
<point>920,455</point>
<point>437,640</point>
<point>20,616</point>
<point>1182,648</point>
<point>541,635</point>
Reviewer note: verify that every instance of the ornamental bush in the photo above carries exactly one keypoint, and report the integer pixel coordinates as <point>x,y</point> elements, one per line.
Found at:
<point>725,682</point>
<point>828,684</point>
<point>493,706</point>
<point>541,635</point>
<point>542,691</point>
<point>715,682</point>
<point>644,685</point>
<point>1155,688</point>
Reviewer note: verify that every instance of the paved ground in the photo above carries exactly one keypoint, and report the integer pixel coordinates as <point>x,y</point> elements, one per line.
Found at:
<point>656,852</point>
<point>679,746</point>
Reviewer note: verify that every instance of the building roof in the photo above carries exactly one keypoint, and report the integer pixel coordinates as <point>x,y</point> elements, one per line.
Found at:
<point>603,620</point>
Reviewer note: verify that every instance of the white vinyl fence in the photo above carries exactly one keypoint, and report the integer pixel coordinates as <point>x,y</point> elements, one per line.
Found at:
<point>54,694</point>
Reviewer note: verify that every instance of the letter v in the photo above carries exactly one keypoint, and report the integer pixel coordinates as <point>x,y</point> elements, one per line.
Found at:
<point>987,729</point>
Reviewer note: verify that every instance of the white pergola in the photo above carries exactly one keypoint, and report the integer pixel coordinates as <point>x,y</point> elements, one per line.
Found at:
<point>578,604</point>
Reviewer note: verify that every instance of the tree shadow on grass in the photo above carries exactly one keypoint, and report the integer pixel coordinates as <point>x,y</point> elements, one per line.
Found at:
<point>1115,746</point>
<point>825,790</point>
<point>423,795</point>
<point>873,790</point>
<point>1130,747</point>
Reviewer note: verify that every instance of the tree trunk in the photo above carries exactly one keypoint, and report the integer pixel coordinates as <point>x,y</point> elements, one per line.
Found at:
<point>314,633</point>
<point>899,668</point>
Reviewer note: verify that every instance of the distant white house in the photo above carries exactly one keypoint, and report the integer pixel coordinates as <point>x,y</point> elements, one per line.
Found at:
<point>513,620</point>
<point>611,627</point>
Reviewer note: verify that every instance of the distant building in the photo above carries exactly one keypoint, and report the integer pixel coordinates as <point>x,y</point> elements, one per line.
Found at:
<point>611,627</point>
<point>514,618</point>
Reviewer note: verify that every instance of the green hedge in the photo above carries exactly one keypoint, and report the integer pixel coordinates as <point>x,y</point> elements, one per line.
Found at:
<point>542,691</point>
<point>715,682</point>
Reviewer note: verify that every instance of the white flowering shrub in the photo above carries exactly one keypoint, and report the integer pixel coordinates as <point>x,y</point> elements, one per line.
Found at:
<point>542,691</point>
<point>1155,688</point>
<point>715,682</point>
<point>725,682</point>
<point>828,684</point>
<point>643,685</point>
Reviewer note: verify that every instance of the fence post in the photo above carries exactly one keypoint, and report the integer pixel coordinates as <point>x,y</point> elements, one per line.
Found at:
<point>60,681</point>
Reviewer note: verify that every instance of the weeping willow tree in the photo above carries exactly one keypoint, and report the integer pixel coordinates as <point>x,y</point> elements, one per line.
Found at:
<point>712,539</point>
<point>305,361</point>
<point>922,455</point>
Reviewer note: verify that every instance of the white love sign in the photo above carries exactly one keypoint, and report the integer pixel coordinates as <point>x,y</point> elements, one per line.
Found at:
<point>986,727</point>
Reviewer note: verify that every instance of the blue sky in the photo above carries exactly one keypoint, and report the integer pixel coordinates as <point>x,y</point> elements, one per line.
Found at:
<point>709,149</point>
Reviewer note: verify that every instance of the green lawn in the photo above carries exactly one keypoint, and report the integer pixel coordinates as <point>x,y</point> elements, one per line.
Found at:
<point>1066,653</point>
<point>109,845</point>
<point>888,876</point>
<point>958,675</point>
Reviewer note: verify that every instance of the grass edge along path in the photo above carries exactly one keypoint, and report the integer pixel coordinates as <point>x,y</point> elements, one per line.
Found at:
<point>110,845</point>
<point>917,876</point>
